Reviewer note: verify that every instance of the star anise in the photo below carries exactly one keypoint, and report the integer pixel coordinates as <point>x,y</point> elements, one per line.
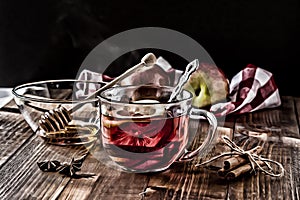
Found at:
<point>67,169</point>
<point>72,168</point>
<point>77,163</point>
<point>49,165</point>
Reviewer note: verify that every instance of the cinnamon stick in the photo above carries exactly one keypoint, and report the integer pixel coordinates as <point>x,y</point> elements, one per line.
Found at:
<point>222,172</point>
<point>241,170</point>
<point>238,160</point>
<point>245,162</point>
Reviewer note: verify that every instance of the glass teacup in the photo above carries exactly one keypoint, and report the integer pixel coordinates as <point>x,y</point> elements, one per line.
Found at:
<point>143,132</point>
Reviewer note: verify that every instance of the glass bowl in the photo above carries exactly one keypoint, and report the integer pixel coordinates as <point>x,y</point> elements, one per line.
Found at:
<point>37,99</point>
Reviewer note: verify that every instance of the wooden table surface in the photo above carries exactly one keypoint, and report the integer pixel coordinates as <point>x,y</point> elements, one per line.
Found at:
<point>278,128</point>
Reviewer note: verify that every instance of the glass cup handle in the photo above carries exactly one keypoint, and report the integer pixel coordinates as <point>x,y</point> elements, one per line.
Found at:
<point>211,135</point>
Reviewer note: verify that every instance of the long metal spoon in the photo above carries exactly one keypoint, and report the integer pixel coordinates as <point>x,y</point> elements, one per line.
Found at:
<point>190,68</point>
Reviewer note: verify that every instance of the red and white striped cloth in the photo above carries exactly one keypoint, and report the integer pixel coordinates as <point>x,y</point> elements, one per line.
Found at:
<point>250,90</point>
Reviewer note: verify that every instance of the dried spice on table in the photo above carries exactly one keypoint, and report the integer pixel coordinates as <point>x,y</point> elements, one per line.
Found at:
<point>67,169</point>
<point>244,161</point>
<point>49,165</point>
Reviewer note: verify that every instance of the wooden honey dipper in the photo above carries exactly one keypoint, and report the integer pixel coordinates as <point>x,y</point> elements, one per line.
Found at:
<point>56,119</point>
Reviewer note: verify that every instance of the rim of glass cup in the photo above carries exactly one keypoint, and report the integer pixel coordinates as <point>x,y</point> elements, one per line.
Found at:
<point>144,103</point>
<point>16,93</point>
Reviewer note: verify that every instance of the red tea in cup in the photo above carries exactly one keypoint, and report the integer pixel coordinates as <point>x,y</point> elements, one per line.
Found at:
<point>141,131</point>
<point>144,143</point>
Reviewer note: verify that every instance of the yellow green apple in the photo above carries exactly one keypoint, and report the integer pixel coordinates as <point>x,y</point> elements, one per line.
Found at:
<point>208,84</point>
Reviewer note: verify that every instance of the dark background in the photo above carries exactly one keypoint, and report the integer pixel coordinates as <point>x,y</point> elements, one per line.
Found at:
<point>49,39</point>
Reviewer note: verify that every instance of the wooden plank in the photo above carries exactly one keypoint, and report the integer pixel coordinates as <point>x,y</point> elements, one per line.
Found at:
<point>14,132</point>
<point>278,130</point>
<point>117,185</point>
<point>108,183</point>
<point>21,178</point>
<point>10,104</point>
<point>10,107</point>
